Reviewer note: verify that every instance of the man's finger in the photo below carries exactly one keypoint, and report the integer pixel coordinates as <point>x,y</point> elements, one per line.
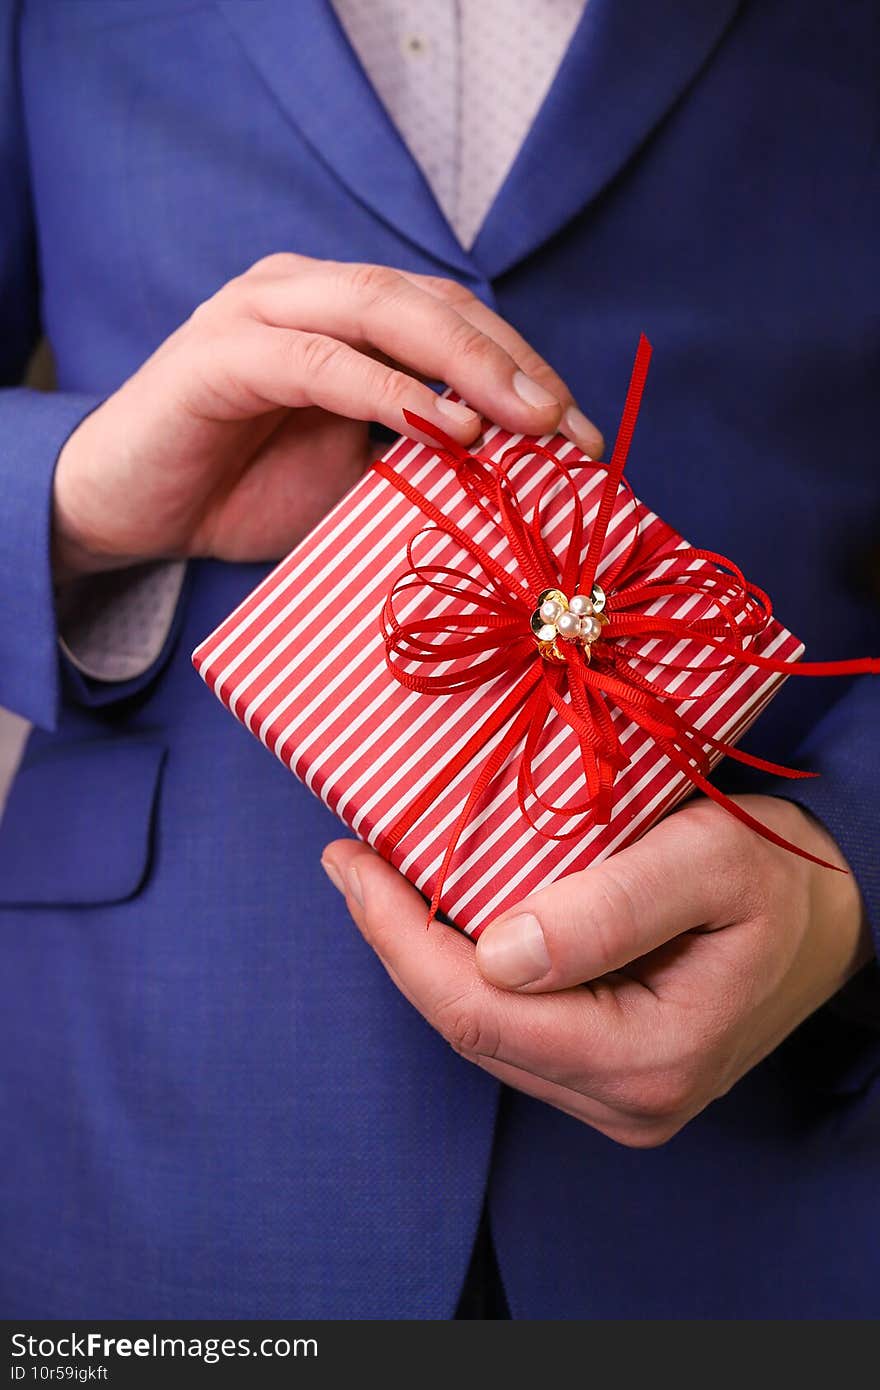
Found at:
<point>574,1040</point>
<point>376,307</point>
<point>574,424</point>
<point>266,366</point>
<point>366,305</point>
<point>601,919</point>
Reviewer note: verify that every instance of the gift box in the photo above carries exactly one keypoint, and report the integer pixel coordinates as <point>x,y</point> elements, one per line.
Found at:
<point>422,663</point>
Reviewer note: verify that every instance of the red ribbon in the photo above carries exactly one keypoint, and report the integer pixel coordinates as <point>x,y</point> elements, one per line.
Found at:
<point>483,633</point>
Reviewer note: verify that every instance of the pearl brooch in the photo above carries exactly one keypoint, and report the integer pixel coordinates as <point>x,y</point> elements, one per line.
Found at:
<point>578,619</point>
<point>550,610</point>
<point>568,625</point>
<point>582,605</point>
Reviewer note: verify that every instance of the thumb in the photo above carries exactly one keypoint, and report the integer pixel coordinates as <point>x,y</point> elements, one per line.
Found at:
<point>601,919</point>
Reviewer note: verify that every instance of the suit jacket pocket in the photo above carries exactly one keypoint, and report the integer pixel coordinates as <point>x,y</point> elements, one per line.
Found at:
<point>77,827</point>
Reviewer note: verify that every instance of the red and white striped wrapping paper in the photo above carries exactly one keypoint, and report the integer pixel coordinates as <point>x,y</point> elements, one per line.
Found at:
<point>327,706</point>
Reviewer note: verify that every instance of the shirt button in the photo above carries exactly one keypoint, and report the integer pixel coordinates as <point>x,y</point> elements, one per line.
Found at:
<point>414,46</point>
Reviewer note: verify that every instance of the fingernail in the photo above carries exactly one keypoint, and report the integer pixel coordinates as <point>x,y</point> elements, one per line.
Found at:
<point>512,952</point>
<point>333,874</point>
<point>350,884</point>
<point>582,432</point>
<point>530,392</point>
<point>461,414</point>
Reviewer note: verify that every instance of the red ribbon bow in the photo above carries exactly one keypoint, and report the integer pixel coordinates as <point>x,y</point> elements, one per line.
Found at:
<point>484,632</point>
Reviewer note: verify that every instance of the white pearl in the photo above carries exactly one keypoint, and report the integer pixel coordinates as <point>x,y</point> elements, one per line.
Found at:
<point>547,633</point>
<point>550,610</point>
<point>590,629</point>
<point>581,605</point>
<point>568,626</point>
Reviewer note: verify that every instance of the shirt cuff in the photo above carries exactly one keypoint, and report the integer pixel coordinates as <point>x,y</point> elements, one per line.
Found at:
<point>113,626</point>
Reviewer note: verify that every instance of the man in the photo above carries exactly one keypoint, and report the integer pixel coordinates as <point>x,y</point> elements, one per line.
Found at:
<point>216,1101</point>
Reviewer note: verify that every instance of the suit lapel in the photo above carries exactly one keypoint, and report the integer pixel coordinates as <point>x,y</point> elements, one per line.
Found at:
<point>628,62</point>
<point>307,62</point>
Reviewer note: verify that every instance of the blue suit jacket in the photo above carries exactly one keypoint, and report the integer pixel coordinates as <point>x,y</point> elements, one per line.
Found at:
<point>214,1103</point>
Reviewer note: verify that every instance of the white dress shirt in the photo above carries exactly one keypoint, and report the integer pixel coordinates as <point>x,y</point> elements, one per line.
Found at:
<point>462,80</point>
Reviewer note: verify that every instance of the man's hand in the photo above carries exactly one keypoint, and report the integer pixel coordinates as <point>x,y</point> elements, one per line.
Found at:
<point>702,946</point>
<point>247,424</point>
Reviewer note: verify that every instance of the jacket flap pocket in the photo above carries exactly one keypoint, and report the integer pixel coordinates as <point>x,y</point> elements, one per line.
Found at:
<point>78,822</point>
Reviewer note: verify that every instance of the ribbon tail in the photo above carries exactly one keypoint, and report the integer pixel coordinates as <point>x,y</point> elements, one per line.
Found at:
<point>858,666</point>
<point>487,774</point>
<point>447,774</point>
<point>618,462</point>
<point>752,760</point>
<point>446,442</point>
<point>740,813</point>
